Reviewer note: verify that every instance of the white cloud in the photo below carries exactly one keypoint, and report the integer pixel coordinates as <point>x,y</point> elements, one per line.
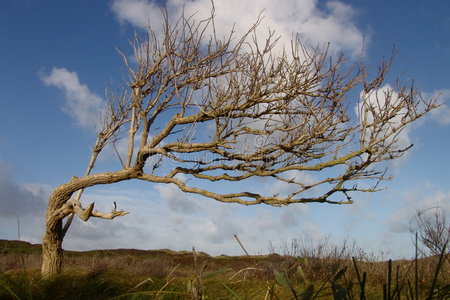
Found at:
<point>220,229</point>
<point>176,199</point>
<point>140,13</point>
<point>396,233</point>
<point>334,24</point>
<point>82,105</point>
<point>441,114</point>
<point>153,223</point>
<point>375,103</point>
<point>412,202</point>
<point>311,232</point>
<point>283,189</point>
<point>291,216</point>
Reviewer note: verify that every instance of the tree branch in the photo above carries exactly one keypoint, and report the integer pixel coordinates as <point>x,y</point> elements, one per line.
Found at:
<point>85,213</point>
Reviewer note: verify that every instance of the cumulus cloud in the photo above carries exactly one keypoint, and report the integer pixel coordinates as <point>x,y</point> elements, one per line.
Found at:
<point>332,24</point>
<point>376,102</point>
<point>140,13</point>
<point>84,106</point>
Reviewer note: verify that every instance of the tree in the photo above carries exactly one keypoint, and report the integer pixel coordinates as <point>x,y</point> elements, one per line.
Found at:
<point>233,109</point>
<point>432,229</point>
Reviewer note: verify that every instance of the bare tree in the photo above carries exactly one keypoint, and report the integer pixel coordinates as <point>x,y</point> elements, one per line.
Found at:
<point>208,109</point>
<point>432,229</point>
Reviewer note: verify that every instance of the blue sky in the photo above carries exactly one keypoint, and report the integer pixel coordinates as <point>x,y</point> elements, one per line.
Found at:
<point>43,144</point>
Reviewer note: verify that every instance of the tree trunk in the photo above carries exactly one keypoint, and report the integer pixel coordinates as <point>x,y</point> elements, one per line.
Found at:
<point>58,209</point>
<point>52,255</point>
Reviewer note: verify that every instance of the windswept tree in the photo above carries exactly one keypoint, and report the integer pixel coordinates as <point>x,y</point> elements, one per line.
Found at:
<point>205,109</point>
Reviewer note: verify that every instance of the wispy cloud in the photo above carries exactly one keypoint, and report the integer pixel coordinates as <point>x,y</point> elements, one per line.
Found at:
<point>84,106</point>
<point>334,23</point>
<point>413,202</point>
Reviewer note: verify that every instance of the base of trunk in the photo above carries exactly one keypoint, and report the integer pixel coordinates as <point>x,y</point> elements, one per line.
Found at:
<point>52,254</point>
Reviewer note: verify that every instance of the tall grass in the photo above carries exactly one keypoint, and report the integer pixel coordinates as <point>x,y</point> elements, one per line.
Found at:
<point>301,271</point>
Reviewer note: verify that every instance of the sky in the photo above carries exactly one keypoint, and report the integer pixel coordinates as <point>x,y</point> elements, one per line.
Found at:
<point>57,59</point>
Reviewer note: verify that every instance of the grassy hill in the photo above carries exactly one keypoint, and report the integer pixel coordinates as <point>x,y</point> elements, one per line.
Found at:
<point>167,274</point>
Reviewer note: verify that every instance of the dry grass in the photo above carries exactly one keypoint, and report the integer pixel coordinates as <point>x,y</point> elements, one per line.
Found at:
<point>326,268</point>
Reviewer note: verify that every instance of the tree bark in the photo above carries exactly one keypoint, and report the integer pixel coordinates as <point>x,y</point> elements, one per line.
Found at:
<point>52,255</point>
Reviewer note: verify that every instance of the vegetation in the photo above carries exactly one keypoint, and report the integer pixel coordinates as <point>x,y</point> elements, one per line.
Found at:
<point>301,272</point>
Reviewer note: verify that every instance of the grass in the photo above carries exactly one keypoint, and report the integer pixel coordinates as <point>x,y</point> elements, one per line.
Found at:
<point>301,272</point>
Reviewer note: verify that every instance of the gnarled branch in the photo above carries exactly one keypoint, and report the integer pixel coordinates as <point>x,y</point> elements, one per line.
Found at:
<point>84,214</point>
